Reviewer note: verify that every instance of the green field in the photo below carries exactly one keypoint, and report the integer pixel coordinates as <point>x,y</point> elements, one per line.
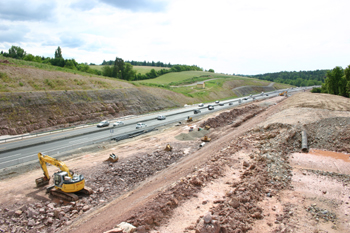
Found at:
<point>178,77</point>
<point>217,86</point>
<point>139,69</point>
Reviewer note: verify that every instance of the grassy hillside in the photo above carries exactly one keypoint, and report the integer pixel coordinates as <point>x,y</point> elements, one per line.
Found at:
<point>218,86</point>
<point>23,76</point>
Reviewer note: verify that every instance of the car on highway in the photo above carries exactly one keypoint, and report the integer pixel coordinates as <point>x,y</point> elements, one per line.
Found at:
<point>196,111</point>
<point>118,123</point>
<point>103,124</point>
<point>230,103</point>
<point>201,105</point>
<point>161,117</point>
<point>221,104</point>
<point>217,101</point>
<point>244,98</point>
<point>140,125</point>
<point>210,107</point>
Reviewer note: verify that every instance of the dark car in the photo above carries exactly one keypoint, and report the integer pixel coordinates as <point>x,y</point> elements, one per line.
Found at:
<point>210,107</point>
<point>244,98</point>
<point>230,103</point>
<point>103,124</point>
<point>196,111</point>
<point>221,104</point>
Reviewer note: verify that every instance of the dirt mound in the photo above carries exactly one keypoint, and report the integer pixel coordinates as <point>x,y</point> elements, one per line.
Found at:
<point>235,116</point>
<point>331,134</point>
<point>195,134</point>
<point>315,100</point>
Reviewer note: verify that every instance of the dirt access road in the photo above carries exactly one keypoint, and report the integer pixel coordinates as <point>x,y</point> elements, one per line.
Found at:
<point>249,178</point>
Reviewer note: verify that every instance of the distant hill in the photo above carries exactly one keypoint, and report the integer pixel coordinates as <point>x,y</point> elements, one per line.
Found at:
<point>295,78</point>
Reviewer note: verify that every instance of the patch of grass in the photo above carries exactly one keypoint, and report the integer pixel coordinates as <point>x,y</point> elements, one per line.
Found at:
<point>34,85</point>
<point>49,83</point>
<point>4,77</point>
<point>21,84</point>
<point>176,77</point>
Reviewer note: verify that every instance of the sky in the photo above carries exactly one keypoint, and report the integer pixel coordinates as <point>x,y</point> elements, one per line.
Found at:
<point>230,36</point>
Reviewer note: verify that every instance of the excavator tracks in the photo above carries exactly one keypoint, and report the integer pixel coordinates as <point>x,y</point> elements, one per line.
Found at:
<point>63,195</point>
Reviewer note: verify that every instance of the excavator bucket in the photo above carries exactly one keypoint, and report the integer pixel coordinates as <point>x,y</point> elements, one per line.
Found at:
<point>42,181</point>
<point>205,139</point>
<point>113,158</point>
<point>168,148</point>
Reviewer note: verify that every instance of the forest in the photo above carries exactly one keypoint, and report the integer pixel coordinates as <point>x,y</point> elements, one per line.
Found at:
<point>337,82</point>
<point>295,78</point>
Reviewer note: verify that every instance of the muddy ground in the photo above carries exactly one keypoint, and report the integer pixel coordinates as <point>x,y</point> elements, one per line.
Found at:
<point>251,177</point>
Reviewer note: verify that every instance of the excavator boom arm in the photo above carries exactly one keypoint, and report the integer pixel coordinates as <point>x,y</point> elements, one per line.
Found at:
<point>43,159</point>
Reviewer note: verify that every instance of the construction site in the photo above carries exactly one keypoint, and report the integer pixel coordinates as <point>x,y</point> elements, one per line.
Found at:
<point>276,165</point>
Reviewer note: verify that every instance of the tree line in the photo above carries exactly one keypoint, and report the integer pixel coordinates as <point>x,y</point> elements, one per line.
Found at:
<point>337,82</point>
<point>116,69</point>
<point>124,70</point>
<point>58,60</point>
<point>140,63</point>
<point>300,78</point>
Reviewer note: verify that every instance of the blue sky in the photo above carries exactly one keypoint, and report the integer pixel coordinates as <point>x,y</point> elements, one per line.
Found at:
<point>229,36</point>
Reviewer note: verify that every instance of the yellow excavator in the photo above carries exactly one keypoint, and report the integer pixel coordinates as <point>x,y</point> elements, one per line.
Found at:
<point>205,139</point>
<point>283,93</point>
<point>168,148</point>
<point>66,183</point>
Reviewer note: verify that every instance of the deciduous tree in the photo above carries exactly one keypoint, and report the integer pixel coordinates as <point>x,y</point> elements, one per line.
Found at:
<point>17,52</point>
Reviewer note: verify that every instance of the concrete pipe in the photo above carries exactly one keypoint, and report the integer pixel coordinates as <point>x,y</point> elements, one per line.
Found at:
<point>304,142</point>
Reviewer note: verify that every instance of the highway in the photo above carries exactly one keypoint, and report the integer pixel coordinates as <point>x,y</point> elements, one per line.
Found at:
<point>13,153</point>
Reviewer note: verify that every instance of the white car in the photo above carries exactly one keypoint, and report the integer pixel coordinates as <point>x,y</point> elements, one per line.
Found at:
<point>118,123</point>
<point>161,117</point>
<point>201,105</point>
<point>140,125</point>
<point>217,101</point>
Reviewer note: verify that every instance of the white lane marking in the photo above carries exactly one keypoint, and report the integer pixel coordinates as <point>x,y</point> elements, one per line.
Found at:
<point>77,140</point>
<point>8,156</point>
<point>17,159</point>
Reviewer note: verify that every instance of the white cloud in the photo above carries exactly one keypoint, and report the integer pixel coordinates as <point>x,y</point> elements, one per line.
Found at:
<point>246,37</point>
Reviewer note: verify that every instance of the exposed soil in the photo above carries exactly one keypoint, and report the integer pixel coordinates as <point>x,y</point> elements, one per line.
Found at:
<point>251,177</point>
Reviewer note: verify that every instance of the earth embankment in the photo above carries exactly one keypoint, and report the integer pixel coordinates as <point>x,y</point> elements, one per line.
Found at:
<point>24,112</point>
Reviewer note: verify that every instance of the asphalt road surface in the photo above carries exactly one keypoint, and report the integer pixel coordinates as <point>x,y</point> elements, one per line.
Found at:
<point>17,152</point>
